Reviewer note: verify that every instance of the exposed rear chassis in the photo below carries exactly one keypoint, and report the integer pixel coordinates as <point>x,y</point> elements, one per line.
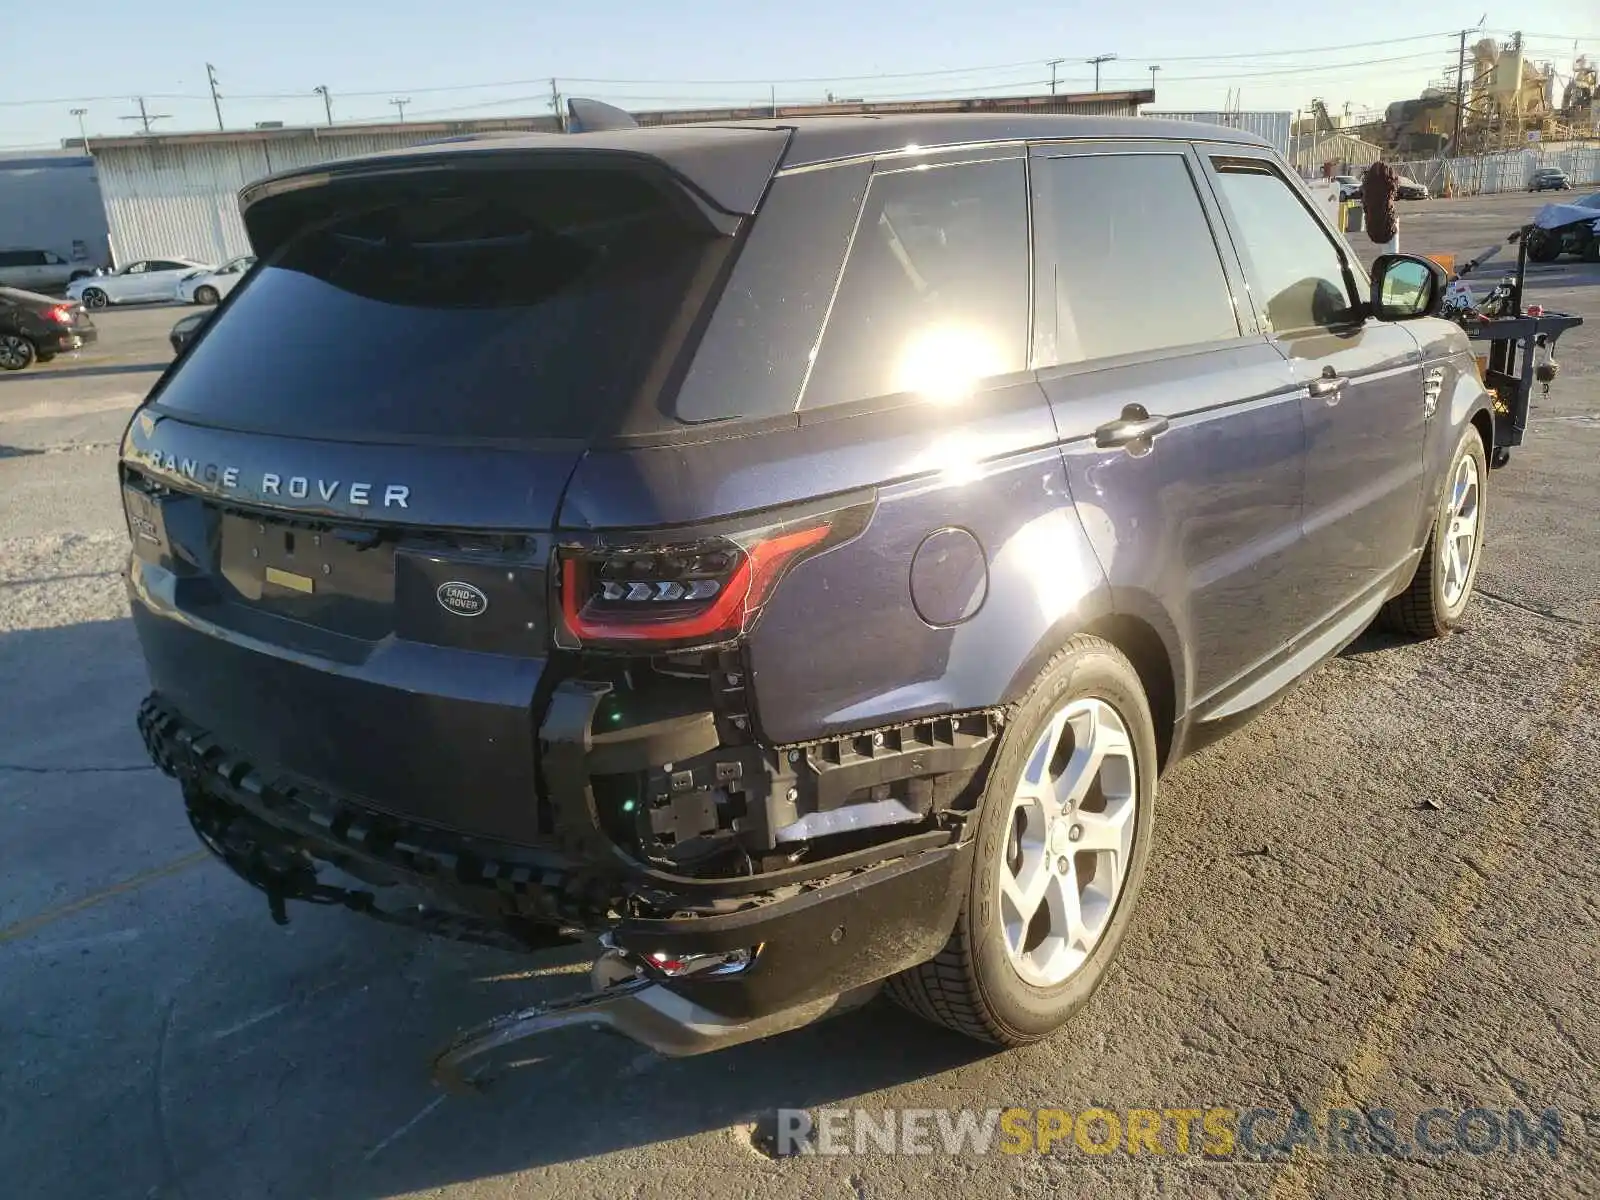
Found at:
<point>813,939</point>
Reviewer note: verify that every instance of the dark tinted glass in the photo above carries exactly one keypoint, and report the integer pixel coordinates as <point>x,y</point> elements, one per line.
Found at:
<point>934,296</point>
<point>758,343</point>
<point>511,305</point>
<point>1137,267</point>
<point>1296,275</point>
<point>11,258</point>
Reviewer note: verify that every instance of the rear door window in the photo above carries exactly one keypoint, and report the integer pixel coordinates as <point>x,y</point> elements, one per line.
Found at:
<point>934,296</point>
<point>1131,257</point>
<point>511,304</point>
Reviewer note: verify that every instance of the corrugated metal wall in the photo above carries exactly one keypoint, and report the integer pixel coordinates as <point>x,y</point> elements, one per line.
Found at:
<point>1273,126</point>
<point>1486,174</point>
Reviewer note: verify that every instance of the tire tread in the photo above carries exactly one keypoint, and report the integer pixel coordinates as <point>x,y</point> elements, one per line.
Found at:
<point>945,989</point>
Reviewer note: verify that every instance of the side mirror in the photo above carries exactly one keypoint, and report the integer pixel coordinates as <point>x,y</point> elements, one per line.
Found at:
<point>1405,287</point>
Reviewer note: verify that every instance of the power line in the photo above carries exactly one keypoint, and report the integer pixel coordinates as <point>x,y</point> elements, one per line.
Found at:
<point>1297,52</point>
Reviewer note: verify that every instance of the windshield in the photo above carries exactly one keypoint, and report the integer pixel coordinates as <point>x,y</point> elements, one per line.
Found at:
<point>1589,201</point>
<point>514,305</point>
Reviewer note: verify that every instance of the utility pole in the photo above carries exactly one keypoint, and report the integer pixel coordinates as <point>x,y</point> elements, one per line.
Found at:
<point>401,105</point>
<point>1053,64</point>
<point>145,117</point>
<point>1153,71</point>
<point>327,99</point>
<point>1095,63</point>
<point>216,98</point>
<point>555,106</point>
<point>1461,93</point>
<point>774,101</point>
<point>83,133</point>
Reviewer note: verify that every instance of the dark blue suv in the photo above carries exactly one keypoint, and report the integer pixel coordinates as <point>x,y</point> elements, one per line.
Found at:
<point>789,550</point>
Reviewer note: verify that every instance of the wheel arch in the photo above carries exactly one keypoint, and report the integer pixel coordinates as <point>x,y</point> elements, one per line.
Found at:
<point>1153,655</point>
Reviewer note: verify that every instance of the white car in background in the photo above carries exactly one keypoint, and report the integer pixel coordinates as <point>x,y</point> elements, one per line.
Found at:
<point>146,279</point>
<point>209,287</point>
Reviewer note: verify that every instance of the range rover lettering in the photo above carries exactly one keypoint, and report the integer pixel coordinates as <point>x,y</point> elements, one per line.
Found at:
<point>818,541</point>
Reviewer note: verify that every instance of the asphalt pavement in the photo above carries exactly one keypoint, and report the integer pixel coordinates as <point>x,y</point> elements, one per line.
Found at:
<point>1384,894</point>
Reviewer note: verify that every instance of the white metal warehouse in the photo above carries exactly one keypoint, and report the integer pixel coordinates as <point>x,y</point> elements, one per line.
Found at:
<point>176,195</point>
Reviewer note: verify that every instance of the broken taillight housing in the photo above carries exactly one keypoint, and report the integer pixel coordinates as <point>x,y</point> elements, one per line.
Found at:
<point>682,589</point>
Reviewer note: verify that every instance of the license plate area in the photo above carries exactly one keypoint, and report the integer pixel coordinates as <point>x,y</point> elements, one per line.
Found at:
<point>341,580</point>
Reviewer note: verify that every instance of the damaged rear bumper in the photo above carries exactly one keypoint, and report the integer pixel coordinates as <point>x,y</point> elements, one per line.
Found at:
<point>810,933</point>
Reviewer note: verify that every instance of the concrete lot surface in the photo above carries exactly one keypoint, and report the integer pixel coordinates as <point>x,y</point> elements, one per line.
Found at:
<point>1384,893</point>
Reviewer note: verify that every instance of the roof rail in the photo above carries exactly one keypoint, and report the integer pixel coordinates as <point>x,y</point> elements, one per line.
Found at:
<point>591,116</point>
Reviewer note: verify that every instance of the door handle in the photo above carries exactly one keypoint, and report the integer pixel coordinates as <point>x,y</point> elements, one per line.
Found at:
<point>1134,428</point>
<point>1328,386</point>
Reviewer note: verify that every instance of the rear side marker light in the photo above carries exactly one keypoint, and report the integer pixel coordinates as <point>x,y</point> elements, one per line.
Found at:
<point>682,591</point>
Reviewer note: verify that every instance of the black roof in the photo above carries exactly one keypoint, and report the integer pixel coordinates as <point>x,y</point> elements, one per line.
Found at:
<point>732,162</point>
<point>824,139</point>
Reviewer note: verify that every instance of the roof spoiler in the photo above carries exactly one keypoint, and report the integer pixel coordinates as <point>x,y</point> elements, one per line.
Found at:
<point>591,116</point>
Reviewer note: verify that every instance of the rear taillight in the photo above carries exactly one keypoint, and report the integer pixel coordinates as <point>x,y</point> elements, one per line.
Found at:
<point>677,591</point>
<point>62,314</point>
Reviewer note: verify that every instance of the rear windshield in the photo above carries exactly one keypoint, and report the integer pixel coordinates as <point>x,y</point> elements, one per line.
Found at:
<point>506,305</point>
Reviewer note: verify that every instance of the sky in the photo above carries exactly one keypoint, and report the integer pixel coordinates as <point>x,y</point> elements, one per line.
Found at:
<point>497,57</point>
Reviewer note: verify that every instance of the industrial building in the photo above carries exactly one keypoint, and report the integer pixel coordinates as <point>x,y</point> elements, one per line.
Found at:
<point>176,194</point>
<point>50,200</point>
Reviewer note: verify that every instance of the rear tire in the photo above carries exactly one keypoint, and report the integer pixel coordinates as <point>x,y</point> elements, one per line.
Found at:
<point>1083,738</point>
<point>16,352</point>
<point>1432,604</point>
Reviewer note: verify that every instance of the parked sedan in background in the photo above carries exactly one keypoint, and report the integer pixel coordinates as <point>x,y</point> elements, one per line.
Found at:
<point>209,287</point>
<point>146,279</point>
<point>1407,188</point>
<point>1552,179</point>
<point>40,270</point>
<point>35,328</point>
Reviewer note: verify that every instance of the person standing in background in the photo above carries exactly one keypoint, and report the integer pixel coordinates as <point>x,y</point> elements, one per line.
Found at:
<point>1378,188</point>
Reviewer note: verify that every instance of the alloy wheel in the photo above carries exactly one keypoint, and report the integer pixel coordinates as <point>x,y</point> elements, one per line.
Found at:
<point>1069,844</point>
<point>1461,534</point>
<point>15,352</point>
<point>94,298</point>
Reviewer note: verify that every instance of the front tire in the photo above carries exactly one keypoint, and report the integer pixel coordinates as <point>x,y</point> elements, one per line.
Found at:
<point>206,295</point>
<point>1432,604</point>
<point>95,298</point>
<point>16,352</point>
<point>1063,837</point>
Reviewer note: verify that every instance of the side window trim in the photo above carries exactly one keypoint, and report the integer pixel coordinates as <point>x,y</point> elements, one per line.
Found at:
<point>1046,257</point>
<point>897,163</point>
<point>1210,152</point>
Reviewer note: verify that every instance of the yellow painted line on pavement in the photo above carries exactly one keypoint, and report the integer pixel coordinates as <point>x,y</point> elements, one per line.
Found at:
<point>32,925</point>
<point>1508,820</point>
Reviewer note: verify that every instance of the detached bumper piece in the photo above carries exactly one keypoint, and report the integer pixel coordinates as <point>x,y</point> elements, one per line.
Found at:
<point>631,996</point>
